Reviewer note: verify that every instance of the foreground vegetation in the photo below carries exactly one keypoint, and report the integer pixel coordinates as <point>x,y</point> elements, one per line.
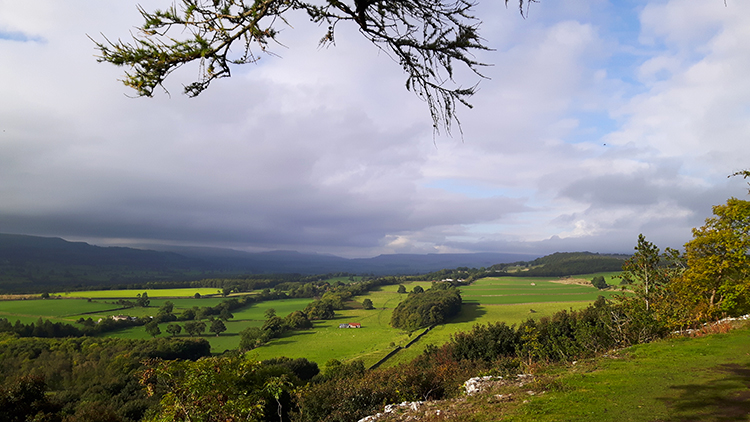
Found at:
<point>684,378</point>
<point>701,377</point>
<point>668,292</point>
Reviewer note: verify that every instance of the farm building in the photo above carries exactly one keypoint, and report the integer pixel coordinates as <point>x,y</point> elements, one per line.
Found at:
<point>351,325</point>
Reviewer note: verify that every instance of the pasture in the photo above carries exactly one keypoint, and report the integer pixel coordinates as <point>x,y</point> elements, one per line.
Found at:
<point>327,341</point>
<point>132,294</point>
<point>517,290</point>
<point>251,316</point>
<point>508,299</point>
<point>56,310</point>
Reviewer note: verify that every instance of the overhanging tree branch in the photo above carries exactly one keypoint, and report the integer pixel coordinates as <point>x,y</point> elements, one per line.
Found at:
<point>426,37</point>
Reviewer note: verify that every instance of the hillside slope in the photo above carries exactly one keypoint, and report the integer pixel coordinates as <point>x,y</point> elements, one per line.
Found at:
<point>683,379</point>
<point>563,264</point>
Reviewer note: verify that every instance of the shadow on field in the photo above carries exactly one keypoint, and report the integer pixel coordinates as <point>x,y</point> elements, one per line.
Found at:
<point>469,312</point>
<point>295,333</point>
<point>723,399</point>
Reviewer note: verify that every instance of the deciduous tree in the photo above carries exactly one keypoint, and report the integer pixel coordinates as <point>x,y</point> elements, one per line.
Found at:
<point>367,304</point>
<point>209,390</point>
<point>195,328</point>
<point>174,329</point>
<point>217,327</point>
<point>599,282</point>
<point>718,275</point>
<point>152,328</point>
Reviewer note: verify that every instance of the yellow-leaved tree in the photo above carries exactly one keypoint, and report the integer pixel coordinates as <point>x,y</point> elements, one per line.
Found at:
<point>717,280</point>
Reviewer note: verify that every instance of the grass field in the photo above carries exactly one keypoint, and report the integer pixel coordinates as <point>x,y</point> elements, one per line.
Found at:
<point>252,316</point>
<point>675,380</point>
<point>132,294</point>
<point>508,299</point>
<point>327,341</point>
<point>683,379</point>
<point>56,310</point>
<point>514,290</point>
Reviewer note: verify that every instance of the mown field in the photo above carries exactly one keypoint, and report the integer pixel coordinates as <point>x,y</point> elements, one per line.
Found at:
<point>251,316</point>
<point>511,300</point>
<point>132,294</point>
<point>56,310</point>
<point>508,299</point>
<point>327,341</point>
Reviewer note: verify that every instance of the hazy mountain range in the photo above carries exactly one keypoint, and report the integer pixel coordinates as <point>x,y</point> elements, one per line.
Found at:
<point>47,260</point>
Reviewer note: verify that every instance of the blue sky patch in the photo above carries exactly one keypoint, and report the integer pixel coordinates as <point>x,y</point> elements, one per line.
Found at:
<point>18,36</point>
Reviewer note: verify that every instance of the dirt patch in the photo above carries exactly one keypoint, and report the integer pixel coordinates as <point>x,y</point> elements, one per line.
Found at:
<point>19,297</point>
<point>578,281</point>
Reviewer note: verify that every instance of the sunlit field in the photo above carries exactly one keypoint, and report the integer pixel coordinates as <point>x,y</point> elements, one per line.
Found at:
<point>327,341</point>
<point>132,294</point>
<point>251,316</point>
<point>517,290</point>
<point>508,299</point>
<point>56,310</point>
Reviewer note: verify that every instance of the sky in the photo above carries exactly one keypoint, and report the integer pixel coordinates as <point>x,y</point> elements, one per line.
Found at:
<point>598,120</point>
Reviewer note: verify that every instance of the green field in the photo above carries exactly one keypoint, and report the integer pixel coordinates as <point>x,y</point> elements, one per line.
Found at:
<point>69,310</point>
<point>56,310</point>
<point>251,316</point>
<point>132,294</point>
<point>516,290</point>
<point>327,341</point>
<point>508,299</point>
<point>682,379</point>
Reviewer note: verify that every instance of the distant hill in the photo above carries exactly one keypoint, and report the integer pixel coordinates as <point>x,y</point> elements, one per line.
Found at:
<point>32,263</point>
<point>27,261</point>
<point>565,263</point>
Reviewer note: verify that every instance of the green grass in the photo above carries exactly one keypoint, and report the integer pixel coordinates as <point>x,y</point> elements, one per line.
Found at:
<point>370,343</point>
<point>252,316</point>
<point>481,314</point>
<point>684,379</point>
<point>516,290</point>
<point>132,294</point>
<point>57,310</point>
<point>327,341</point>
<point>508,299</point>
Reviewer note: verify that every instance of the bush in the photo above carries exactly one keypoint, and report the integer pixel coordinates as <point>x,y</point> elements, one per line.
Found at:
<point>599,282</point>
<point>485,342</point>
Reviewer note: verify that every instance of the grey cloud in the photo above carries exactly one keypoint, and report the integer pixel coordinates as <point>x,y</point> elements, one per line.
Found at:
<point>323,150</point>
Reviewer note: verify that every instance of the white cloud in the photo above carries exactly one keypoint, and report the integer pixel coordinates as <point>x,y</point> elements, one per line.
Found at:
<point>587,133</point>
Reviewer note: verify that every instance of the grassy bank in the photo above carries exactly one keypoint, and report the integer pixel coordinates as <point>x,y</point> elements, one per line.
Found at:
<point>681,379</point>
<point>684,379</point>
